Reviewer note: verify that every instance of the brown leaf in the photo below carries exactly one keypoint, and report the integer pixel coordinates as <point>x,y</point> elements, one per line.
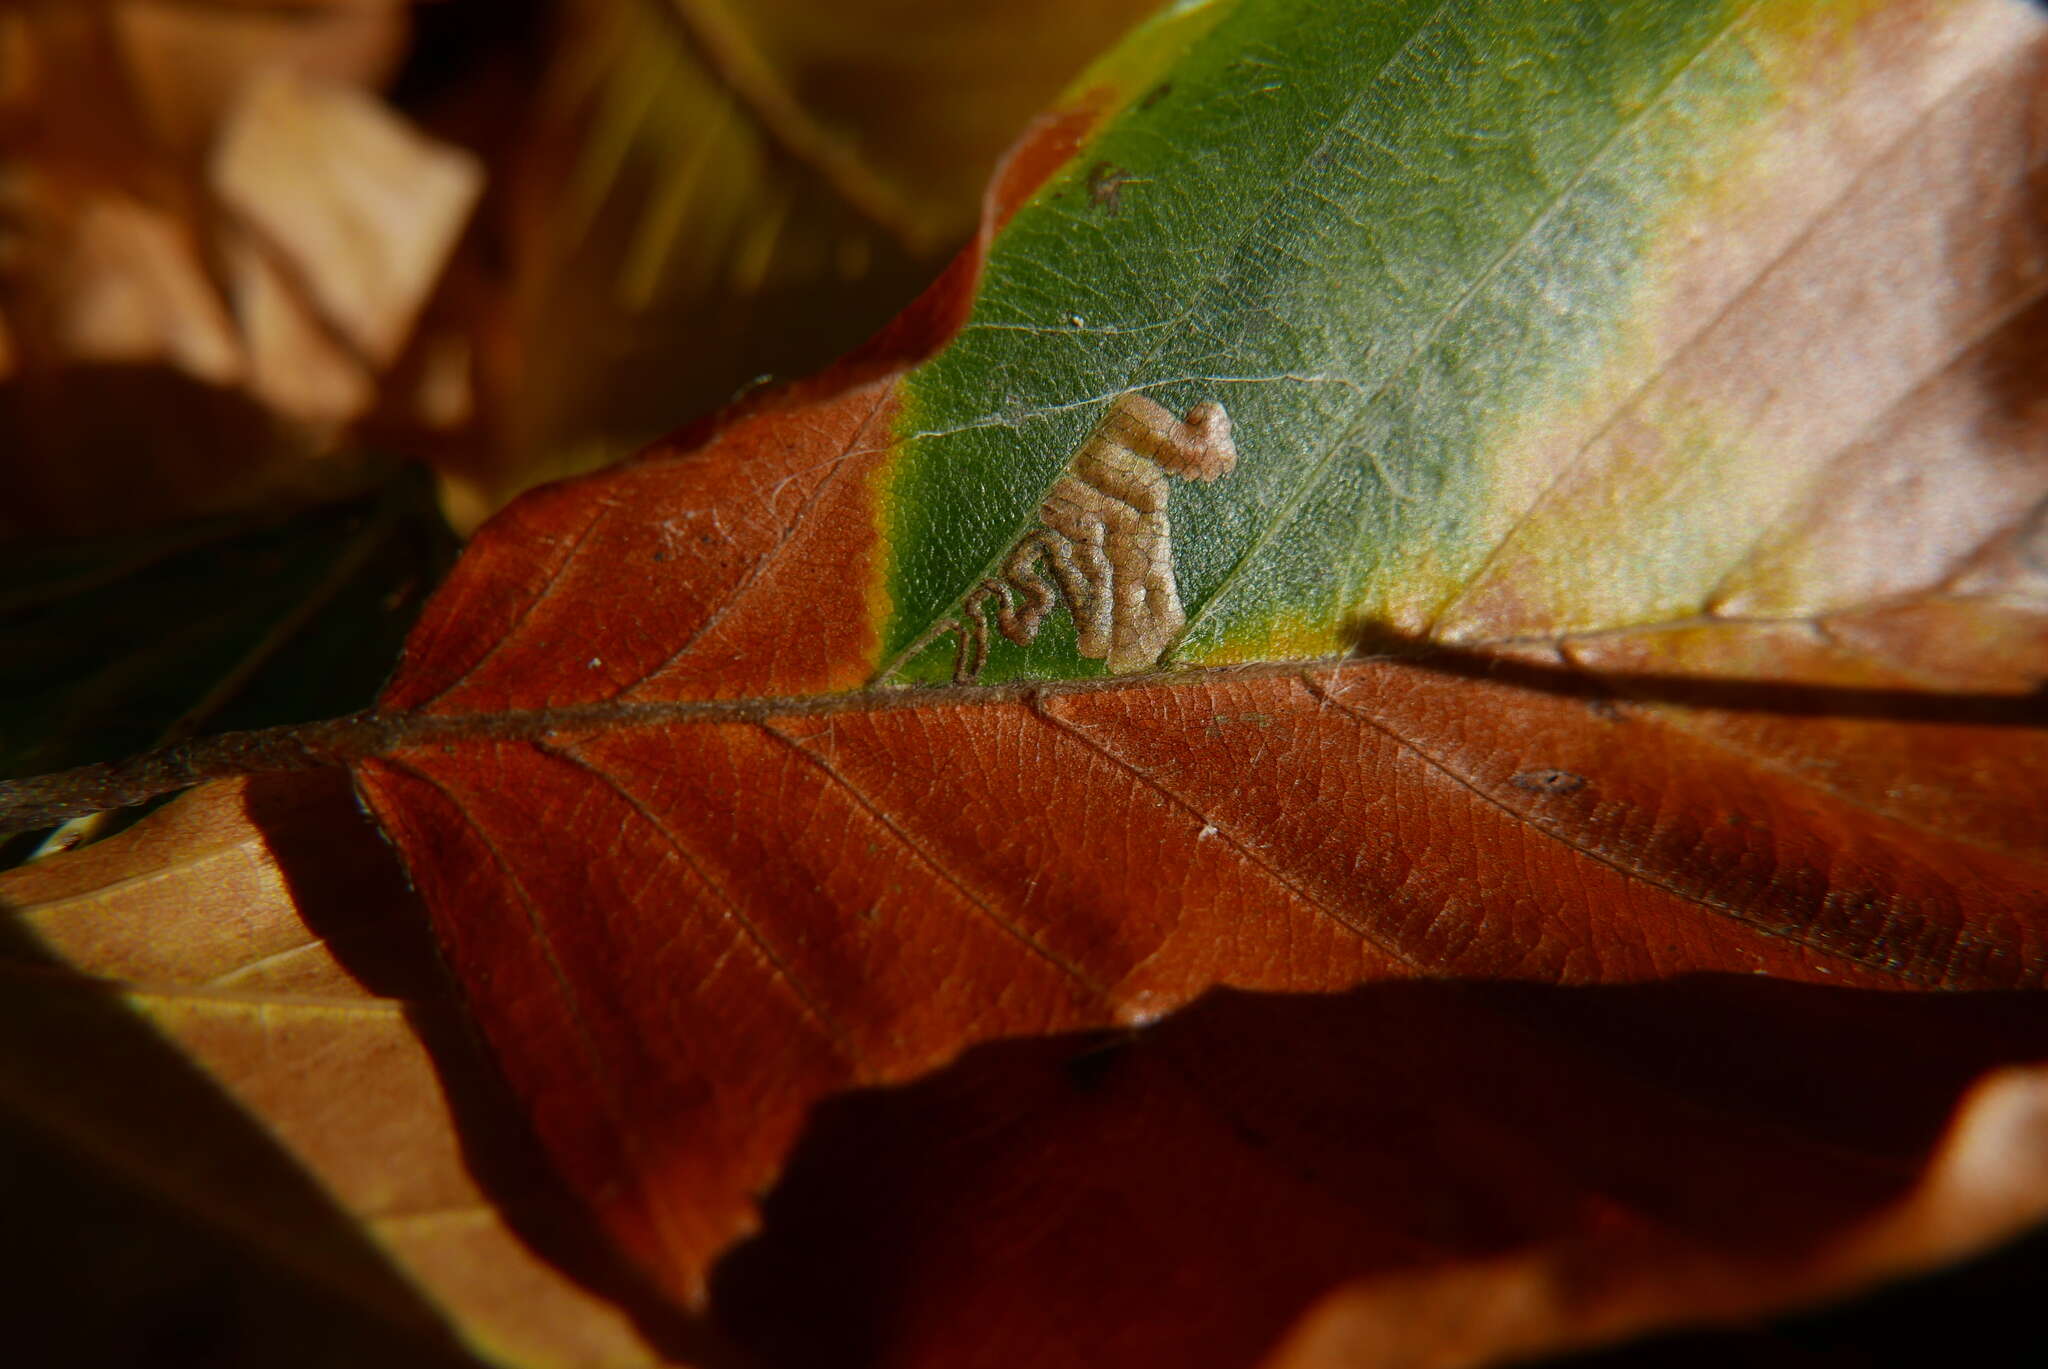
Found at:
<point>230,1009</point>
<point>804,882</point>
<point>217,248</point>
<point>1298,1010</point>
<point>1481,1171</point>
<point>701,867</point>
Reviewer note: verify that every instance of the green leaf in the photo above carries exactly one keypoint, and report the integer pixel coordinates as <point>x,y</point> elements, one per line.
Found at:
<point>1433,260</point>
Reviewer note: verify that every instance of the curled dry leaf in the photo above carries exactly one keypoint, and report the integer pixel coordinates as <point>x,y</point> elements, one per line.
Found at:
<point>366,209</point>
<point>1500,1170</point>
<point>1995,1148</point>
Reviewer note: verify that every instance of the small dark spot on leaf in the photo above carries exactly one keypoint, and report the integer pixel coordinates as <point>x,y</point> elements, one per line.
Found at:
<point>661,556</point>
<point>1549,782</point>
<point>1156,94</point>
<point>1106,183</point>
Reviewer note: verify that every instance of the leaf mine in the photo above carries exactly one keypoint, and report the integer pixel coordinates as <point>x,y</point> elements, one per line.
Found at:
<point>1105,533</point>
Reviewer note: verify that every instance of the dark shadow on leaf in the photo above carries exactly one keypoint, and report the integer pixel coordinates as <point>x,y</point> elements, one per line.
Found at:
<point>1375,639</point>
<point>376,928</point>
<point>130,1181</point>
<point>1981,1312</point>
<point>1180,1195</point>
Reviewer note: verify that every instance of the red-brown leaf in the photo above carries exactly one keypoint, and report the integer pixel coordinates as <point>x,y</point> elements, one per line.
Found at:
<point>702,863</point>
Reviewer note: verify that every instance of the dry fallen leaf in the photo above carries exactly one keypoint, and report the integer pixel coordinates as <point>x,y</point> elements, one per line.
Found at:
<point>1566,864</point>
<point>693,666</point>
<point>218,243</point>
<point>232,1006</point>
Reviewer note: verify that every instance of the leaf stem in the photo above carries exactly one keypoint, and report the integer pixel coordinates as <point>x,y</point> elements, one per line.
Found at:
<point>46,800</point>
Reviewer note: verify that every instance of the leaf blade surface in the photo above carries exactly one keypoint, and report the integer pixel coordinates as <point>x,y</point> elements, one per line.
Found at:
<point>701,861</point>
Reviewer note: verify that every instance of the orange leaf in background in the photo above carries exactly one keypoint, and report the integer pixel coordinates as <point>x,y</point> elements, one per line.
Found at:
<point>220,241</point>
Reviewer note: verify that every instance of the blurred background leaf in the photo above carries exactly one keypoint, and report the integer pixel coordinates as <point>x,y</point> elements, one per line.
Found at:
<point>242,241</point>
<point>215,244</point>
<point>704,194</point>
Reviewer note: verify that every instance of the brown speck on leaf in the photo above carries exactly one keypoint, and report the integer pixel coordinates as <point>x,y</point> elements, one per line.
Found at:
<point>1156,94</point>
<point>1217,724</point>
<point>1106,182</point>
<point>1549,781</point>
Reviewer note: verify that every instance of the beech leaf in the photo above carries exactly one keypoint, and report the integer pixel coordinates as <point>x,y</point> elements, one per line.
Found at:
<point>1597,338</point>
<point>1497,552</point>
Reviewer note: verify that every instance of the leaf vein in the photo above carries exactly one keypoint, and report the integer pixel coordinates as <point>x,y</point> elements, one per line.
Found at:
<point>1626,870</point>
<point>937,866</point>
<point>780,968</point>
<point>1326,463</point>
